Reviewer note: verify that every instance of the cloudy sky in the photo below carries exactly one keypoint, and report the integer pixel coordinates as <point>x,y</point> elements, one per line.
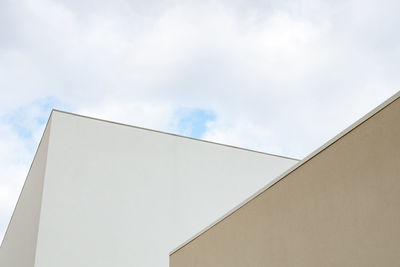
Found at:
<point>276,76</point>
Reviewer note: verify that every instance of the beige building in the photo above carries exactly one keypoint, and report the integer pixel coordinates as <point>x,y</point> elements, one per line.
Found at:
<point>340,206</point>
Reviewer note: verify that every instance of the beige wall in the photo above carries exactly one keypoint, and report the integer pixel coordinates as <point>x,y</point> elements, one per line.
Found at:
<point>340,208</point>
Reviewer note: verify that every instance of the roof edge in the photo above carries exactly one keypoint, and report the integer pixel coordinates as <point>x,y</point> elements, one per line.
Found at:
<point>293,168</point>
<point>172,134</point>
<point>46,128</point>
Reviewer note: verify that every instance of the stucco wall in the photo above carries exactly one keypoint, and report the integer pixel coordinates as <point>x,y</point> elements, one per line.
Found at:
<point>340,208</point>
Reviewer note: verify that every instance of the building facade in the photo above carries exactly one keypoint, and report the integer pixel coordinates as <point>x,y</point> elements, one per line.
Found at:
<point>340,206</point>
<point>105,194</point>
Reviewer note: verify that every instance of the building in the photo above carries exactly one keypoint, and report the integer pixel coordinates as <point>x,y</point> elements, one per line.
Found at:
<point>105,194</point>
<point>340,206</point>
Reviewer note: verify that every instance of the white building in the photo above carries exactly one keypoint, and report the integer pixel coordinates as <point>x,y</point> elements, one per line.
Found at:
<point>105,194</point>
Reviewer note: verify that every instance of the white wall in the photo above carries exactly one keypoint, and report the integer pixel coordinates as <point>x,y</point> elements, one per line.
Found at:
<point>116,195</point>
<point>18,248</point>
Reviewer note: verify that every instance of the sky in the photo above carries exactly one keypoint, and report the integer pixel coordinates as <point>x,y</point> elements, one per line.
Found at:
<point>281,77</point>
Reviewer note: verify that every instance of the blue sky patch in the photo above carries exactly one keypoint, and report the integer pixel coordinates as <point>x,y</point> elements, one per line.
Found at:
<point>31,117</point>
<point>193,122</point>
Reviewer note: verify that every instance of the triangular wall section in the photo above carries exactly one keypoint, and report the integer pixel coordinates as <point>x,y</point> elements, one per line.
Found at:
<point>18,248</point>
<point>339,207</point>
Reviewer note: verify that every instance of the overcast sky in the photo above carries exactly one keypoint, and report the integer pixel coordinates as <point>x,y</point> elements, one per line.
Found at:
<point>277,76</point>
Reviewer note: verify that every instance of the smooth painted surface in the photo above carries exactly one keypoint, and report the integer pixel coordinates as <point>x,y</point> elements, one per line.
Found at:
<point>19,244</point>
<point>291,169</point>
<point>340,208</point>
<point>122,196</point>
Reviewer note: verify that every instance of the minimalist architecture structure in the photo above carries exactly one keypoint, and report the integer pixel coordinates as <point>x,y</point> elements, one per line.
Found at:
<point>105,194</point>
<point>340,206</point>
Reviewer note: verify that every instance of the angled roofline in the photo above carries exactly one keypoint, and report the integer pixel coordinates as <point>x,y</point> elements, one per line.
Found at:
<point>172,134</point>
<point>122,124</point>
<point>27,175</point>
<point>290,170</point>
